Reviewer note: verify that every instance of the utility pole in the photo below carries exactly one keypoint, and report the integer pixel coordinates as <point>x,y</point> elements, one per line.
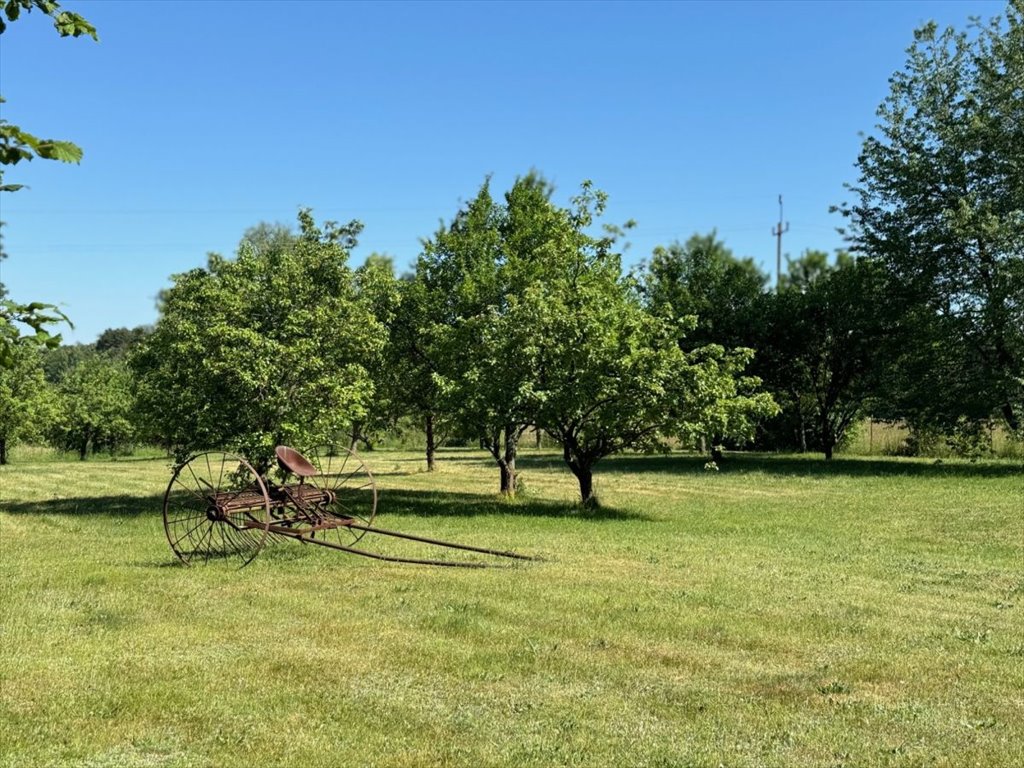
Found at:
<point>777,233</point>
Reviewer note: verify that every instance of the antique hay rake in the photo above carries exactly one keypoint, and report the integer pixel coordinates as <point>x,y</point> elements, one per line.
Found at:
<point>217,506</point>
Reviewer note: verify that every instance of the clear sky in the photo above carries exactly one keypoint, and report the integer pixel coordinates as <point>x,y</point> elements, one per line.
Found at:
<point>199,120</point>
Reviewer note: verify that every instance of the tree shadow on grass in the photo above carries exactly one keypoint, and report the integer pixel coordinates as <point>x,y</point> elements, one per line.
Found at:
<point>798,466</point>
<point>89,506</point>
<point>391,501</point>
<point>448,504</point>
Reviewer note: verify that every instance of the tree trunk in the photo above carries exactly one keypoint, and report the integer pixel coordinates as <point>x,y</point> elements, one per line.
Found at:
<point>803,428</point>
<point>502,446</point>
<point>582,469</point>
<point>586,478</point>
<point>508,477</point>
<point>508,462</point>
<point>828,439</point>
<point>1011,418</point>
<point>83,449</point>
<point>430,442</point>
<point>3,451</point>
<point>359,437</point>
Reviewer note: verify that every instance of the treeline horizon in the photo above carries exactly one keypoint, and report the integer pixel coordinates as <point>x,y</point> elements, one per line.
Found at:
<point>790,326</point>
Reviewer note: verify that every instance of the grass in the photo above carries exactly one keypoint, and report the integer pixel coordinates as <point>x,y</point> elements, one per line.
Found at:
<point>881,438</point>
<point>779,612</point>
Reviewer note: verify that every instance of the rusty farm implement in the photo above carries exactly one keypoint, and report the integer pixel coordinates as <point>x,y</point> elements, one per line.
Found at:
<point>217,506</point>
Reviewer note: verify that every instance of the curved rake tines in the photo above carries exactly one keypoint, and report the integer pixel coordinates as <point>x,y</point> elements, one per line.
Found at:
<point>348,481</point>
<point>216,507</point>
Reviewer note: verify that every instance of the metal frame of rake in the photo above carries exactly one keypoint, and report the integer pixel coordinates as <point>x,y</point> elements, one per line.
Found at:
<point>217,506</point>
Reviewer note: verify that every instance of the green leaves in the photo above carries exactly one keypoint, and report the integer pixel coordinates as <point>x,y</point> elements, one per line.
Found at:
<point>37,316</point>
<point>95,407</point>
<point>271,347</point>
<point>17,145</point>
<point>64,151</point>
<point>66,23</point>
<point>940,205</point>
<point>26,402</point>
<point>536,325</point>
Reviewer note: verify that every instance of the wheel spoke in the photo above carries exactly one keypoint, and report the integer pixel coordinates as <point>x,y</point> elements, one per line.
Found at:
<point>178,481</point>
<point>348,481</point>
<point>192,532</point>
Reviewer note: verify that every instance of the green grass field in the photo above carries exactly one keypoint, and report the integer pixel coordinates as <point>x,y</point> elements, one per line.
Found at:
<point>779,612</point>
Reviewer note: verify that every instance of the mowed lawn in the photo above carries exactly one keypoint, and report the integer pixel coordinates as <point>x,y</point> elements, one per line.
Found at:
<point>779,612</point>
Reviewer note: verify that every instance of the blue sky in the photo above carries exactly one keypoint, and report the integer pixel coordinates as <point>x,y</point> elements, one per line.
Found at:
<point>199,120</point>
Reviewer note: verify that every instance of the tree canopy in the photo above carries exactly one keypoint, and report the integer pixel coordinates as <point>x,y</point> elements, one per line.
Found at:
<point>470,272</point>
<point>95,407</point>
<point>939,203</point>
<point>26,403</point>
<point>703,278</point>
<point>267,348</point>
<point>822,344</point>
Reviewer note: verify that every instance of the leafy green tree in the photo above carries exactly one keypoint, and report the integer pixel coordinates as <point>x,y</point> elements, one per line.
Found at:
<point>26,400</point>
<point>608,375</point>
<point>415,364</point>
<point>940,204</point>
<point>95,407</point>
<point>464,276</point>
<point>17,144</point>
<point>60,361</point>
<point>823,350</point>
<point>378,288</point>
<point>611,376</point>
<point>703,278</point>
<point>120,341</point>
<point>267,348</point>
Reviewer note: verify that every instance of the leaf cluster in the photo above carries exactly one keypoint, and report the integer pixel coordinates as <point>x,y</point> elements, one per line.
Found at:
<point>66,23</point>
<point>27,404</point>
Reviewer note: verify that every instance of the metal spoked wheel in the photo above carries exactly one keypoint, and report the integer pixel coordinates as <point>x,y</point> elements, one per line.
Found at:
<point>216,507</point>
<point>348,482</point>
